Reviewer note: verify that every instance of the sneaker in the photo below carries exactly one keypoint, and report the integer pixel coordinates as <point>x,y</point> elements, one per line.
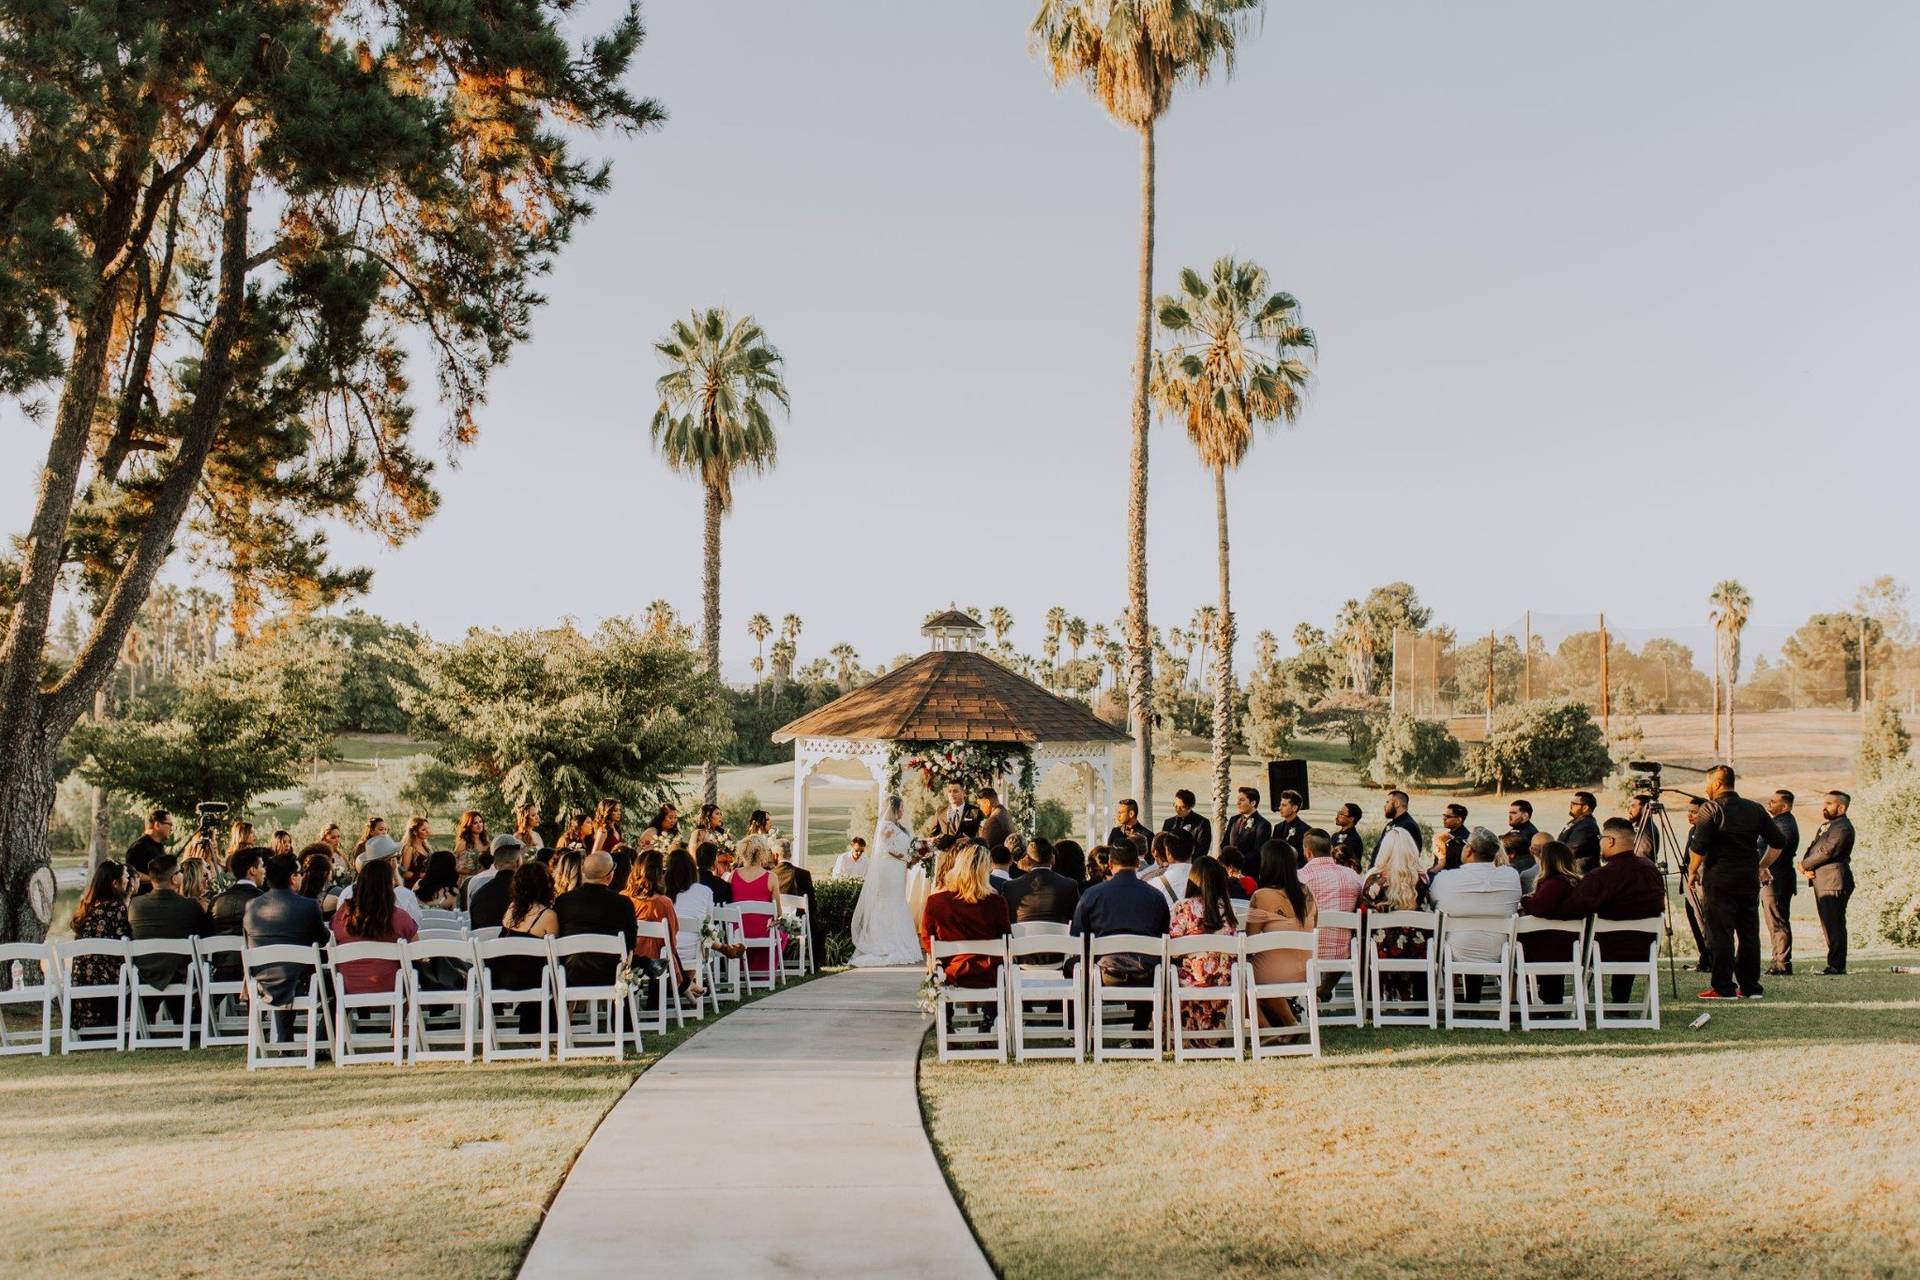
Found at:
<point>1758,993</point>
<point>1711,994</point>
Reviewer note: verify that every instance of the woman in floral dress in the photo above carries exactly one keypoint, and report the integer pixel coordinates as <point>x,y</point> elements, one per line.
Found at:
<point>102,914</point>
<point>1398,882</point>
<point>1205,909</point>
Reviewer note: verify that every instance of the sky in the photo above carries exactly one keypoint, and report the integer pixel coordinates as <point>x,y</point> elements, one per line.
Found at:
<point>1613,301</point>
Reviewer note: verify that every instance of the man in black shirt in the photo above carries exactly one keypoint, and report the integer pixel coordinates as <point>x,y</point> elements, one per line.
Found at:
<point>593,907</point>
<point>1453,821</point>
<point>1520,818</point>
<point>152,843</point>
<point>1185,819</point>
<point>1727,862</point>
<point>1129,830</point>
<point>487,905</point>
<point>1348,848</point>
<point>1291,828</point>
<point>1582,834</point>
<point>1395,812</point>
<point>1776,899</point>
<point>1647,831</point>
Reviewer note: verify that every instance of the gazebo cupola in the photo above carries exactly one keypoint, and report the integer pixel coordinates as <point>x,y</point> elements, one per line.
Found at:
<point>953,631</point>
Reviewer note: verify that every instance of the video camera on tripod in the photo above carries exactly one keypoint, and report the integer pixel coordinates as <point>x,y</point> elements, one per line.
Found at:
<point>211,814</point>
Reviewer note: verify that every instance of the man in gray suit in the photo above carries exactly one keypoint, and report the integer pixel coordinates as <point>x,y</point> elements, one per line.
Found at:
<point>281,917</point>
<point>1828,866</point>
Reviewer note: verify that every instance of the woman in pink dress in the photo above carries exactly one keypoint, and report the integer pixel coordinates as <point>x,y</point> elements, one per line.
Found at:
<point>753,882</point>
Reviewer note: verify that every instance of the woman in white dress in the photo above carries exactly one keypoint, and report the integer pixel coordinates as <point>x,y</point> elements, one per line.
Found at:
<point>883,928</point>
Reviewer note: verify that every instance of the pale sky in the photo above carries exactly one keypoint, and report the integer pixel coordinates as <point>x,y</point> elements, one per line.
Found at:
<point>1614,301</point>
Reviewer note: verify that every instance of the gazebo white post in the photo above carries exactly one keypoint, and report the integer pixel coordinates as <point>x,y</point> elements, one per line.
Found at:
<point>802,773</point>
<point>1090,778</point>
<point>1106,790</point>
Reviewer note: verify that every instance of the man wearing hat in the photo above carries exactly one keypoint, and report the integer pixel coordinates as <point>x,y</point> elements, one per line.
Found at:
<point>384,847</point>
<point>492,889</point>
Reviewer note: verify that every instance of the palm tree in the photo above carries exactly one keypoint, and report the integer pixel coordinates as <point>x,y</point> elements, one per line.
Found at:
<point>715,419</point>
<point>1076,635</point>
<point>790,628</point>
<point>1266,649</point>
<point>783,656</point>
<point>1731,605</point>
<point>1201,626</point>
<point>661,618</point>
<point>1130,55</point>
<point>1236,358</point>
<point>999,621</point>
<point>1354,637</point>
<point>844,655</point>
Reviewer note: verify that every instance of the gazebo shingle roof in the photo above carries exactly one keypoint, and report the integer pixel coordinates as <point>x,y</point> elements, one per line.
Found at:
<point>953,695</point>
<point>954,618</point>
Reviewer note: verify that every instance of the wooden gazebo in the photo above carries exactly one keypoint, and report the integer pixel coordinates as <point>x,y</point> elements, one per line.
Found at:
<point>952,693</point>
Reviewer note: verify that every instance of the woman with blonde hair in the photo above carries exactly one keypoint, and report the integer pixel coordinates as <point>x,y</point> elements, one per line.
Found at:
<point>608,817</point>
<point>1398,882</point>
<point>241,838</point>
<point>753,882</point>
<point>414,848</point>
<point>526,825</point>
<point>566,869</point>
<point>966,908</point>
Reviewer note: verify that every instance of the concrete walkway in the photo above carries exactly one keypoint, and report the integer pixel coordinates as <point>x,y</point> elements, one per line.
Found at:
<point>784,1139</point>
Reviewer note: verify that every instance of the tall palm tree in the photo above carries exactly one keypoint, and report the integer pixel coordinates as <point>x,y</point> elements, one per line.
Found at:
<point>1236,358</point>
<point>1130,55</point>
<point>1076,636</point>
<point>1731,605</point>
<point>790,628</point>
<point>999,621</point>
<point>717,398</point>
<point>1266,649</point>
<point>844,658</point>
<point>1200,626</point>
<point>1353,635</point>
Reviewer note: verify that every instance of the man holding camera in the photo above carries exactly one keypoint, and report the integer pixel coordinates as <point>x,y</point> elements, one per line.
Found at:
<point>1726,862</point>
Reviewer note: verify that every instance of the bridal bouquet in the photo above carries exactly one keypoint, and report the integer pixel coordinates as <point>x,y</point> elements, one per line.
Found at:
<point>920,854</point>
<point>791,925</point>
<point>930,988</point>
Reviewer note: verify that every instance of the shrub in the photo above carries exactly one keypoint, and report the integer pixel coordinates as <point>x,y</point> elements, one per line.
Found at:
<point>1886,861</point>
<point>833,903</point>
<point>1543,743</point>
<point>735,812</point>
<point>1410,749</point>
<point>1885,742</point>
<point>1052,820</point>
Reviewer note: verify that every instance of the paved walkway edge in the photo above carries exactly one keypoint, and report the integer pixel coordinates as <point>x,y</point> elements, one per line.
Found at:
<point>785,1138</point>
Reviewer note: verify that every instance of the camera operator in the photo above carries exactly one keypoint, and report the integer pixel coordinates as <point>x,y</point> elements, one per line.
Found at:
<point>1646,841</point>
<point>1729,868</point>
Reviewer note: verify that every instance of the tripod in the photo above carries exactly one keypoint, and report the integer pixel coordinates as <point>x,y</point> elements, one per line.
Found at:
<point>1652,812</point>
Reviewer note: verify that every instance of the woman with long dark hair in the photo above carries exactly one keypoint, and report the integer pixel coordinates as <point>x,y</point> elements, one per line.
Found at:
<point>1559,872</point>
<point>646,889</point>
<point>1280,905</point>
<point>529,914</point>
<point>316,877</point>
<point>1070,860</point>
<point>439,891</point>
<point>371,915</point>
<point>102,913</point>
<point>1207,908</point>
<point>608,818</point>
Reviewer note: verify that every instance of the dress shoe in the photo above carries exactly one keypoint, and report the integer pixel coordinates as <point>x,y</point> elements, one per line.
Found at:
<point>1711,994</point>
<point>1778,972</point>
<point>1758,993</point>
<point>1831,972</point>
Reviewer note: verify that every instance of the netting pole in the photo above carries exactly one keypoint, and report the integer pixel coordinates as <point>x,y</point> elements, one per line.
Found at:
<point>1606,710</point>
<point>1527,645</point>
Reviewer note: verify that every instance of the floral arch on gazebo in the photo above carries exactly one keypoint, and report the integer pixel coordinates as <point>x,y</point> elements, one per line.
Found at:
<point>955,713</point>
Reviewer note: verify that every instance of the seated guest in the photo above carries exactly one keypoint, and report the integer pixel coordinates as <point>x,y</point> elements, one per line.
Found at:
<point>1122,904</point>
<point>1155,863</point>
<point>487,903</point>
<point>1043,894</point>
<point>282,918</point>
<point>1626,886</point>
<point>1070,860</point>
<point>490,871</point>
<point>196,879</point>
<point>1517,852</point>
<point>166,913</point>
<point>1001,859</point>
<point>646,890</point>
<point>1239,883</point>
<point>1030,852</point>
<point>966,910</point>
<point>314,879</point>
<point>529,914</point>
<point>624,857</point>
<point>384,846</point>
<point>945,850</point>
<point>1398,882</point>
<point>1335,886</point>
<point>566,869</point>
<point>1206,908</point>
<point>706,858</point>
<point>797,882</point>
<point>593,907</point>
<point>1179,854</point>
<point>228,909</point>
<point>854,861</point>
<point>692,904</point>
<point>1477,887</point>
<point>1284,904</point>
<point>1556,877</point>
<point>372,916</point>
<point>102,913</point>
<point>439,892</point>
<point>1099,863</point>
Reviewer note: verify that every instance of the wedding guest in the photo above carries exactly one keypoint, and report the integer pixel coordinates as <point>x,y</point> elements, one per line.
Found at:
<point>1291,828</point>
<point>282,842</point>
<point>1283,903</point>
<point>1199,831</point>
<point>282,918</point>
<point>577,834</point>
<point>526,826</point>
<point>1179,855</point>
<point>386,847</point>
<point>1582,833</point>
<point>470,841</point>
<point>1128,830</point>
<point>165,913</point>
<point>1043,894</point>
<point>1204,908</point>
<point>101,913</point>
<point>1070,860</point>
<point>439,892</point>
<point>608,819</point>
<point>529,914</point>
<point>1349,850</point>
<point>647,890</point>
<point>1000,859</point>
<point>966,909</point>
<point>372,916</point>
<point>153,840</point>
<point>692,904</point>
<point>566,868</point>
<point>1239,884</point>
<point>1514,849</point>
<point>314,878</point>
<point>1828,867</point>
<point>1335,886</point>
<point>1548,900</point>
<point>375,828</point>
<point>713,824</point>
<point>1154,865</point>
<point>330,837</point>
<point>196,880</point>
<point>1394,810</point>
<point>488,873</point>
<point>239,836</point>
<point>1398,882</point>
<point>487,904</point>
<point>1625,887</point>
<point>1520,820</point>
<point>228,909</point>
<point>854,861</point>
<point>1099,864</point>
<point>1122,904</point>
<point>1477,887</point>
<point>415,845</point>
<point>1248,829</point>
<point>754,882</point>
<point>665,823</point>
<point>1450,842</point>
<point>707,858</point>
<point>797,882</point>
<point>593,907</point>
<point>945,850</point>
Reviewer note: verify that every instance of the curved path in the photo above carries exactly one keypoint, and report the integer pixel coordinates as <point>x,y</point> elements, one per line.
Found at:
<point>783,1139</point>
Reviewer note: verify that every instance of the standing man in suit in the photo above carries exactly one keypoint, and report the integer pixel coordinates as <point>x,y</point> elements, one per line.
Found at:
<point>1395,812</point>
<point>1042,894</point>
<point>1828,866</point>
<point>959,818</point>
<point>1198,830</point>
<point>593,907</point>
<point>1582,833</point>
<point>1776,896</point>
<point>1130,831</point>
<point>1349,850</point>
<point>1727,862</point>
<point>995,824</point>
<point>1291,828</point>
<point>1248,829</point>
<point>798,882</point>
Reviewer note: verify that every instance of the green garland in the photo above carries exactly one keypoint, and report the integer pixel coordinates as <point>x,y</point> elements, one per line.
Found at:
<point>971,764</point>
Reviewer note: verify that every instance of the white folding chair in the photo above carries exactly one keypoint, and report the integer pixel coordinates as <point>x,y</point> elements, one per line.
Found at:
<point>266,1047</point>
<point>443,935</point>
<point>1036,975</point>
<point>666,992</point>
<point>72,1038</point>
<point>441,1021</point>
<point>795,904</point>
<point>385,1008</point>
<point>769,945</point>
<point>1349,1010</point>
<point>20,962</point>
<point>1630,1013</point>
<point>223,1000</point>
<point>596,1036</point>
<point>726,977</point>
<point>497,1042</point>
<point>1454,966</point>
<point>1571,1012</point>
<point>956,1003</point>
<point>1278,1040</point>
<point>1404,1012</point>
<point>161,1029</point>
<point>1218,1042</point>
<point>1113,1042</point>
<point>488,934</point>
<point>1041,928</point>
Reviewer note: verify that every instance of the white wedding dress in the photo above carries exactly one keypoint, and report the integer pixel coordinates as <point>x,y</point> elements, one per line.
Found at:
<point>883,928</point>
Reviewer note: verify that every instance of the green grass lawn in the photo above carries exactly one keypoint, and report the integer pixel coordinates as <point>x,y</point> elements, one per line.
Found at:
<point>1779,1138</point>
<point>184,1164</point>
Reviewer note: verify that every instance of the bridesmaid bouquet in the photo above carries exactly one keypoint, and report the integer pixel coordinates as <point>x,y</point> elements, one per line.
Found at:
<point>930,988</point>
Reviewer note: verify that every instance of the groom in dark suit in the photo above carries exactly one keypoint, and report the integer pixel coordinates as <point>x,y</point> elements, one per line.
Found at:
<point>958,818</point>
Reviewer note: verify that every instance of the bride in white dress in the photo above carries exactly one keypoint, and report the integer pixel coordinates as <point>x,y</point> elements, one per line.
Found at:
<point>883,928</point>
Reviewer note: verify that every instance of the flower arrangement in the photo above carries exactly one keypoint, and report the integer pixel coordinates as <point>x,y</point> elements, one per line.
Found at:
<point>931,988</point>
<point>625,978</point>
<point>792,925</point>
<point>971,764</point>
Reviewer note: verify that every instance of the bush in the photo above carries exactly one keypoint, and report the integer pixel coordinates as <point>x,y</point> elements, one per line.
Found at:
<point>1410,749</point>
<point>1052,820</point>
<point>1886,860</point>
<point>735,812</point>
<point>1539,744</point>
<point>833,903</point>
<point>1885,743</point>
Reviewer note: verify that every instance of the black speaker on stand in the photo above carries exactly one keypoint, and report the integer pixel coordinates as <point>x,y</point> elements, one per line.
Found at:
<point>1287,775</point>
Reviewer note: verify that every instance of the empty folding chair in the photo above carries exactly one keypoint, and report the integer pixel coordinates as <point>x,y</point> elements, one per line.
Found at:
<point>444,935</point>
<point>1048,1005</point>
<point>1278,1039</point>
<point>162,1012</point>
<point>652,1016</point>
<point>223,990</point>
<point>1536,1014</point>
<point>1346,1003</point>
<point>1608,1012</point>
<point>1465,935</point>
<point>525,979</point>
<point>767,946</point>
<point>592,1016</point>
<point>369,1026</point>
<point>795,904</point>
<point>1130,995</point>
<point>103,980</point>
<point>27,979</point>
<point>957,1028</point>
<point>288,1032</point>
<point>726,977</point>
<point>441,1021</point>
<point>1226,1040</point>
<point>1403,1011</point>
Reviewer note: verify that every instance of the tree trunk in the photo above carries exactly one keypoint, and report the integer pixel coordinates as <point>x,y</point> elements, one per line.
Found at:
<point>26,798</point>
<point>1139,647</point>
<point>710,604</point>
<point>1716,699</point>
<point>97,799</point>
<point>1223,668</point>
